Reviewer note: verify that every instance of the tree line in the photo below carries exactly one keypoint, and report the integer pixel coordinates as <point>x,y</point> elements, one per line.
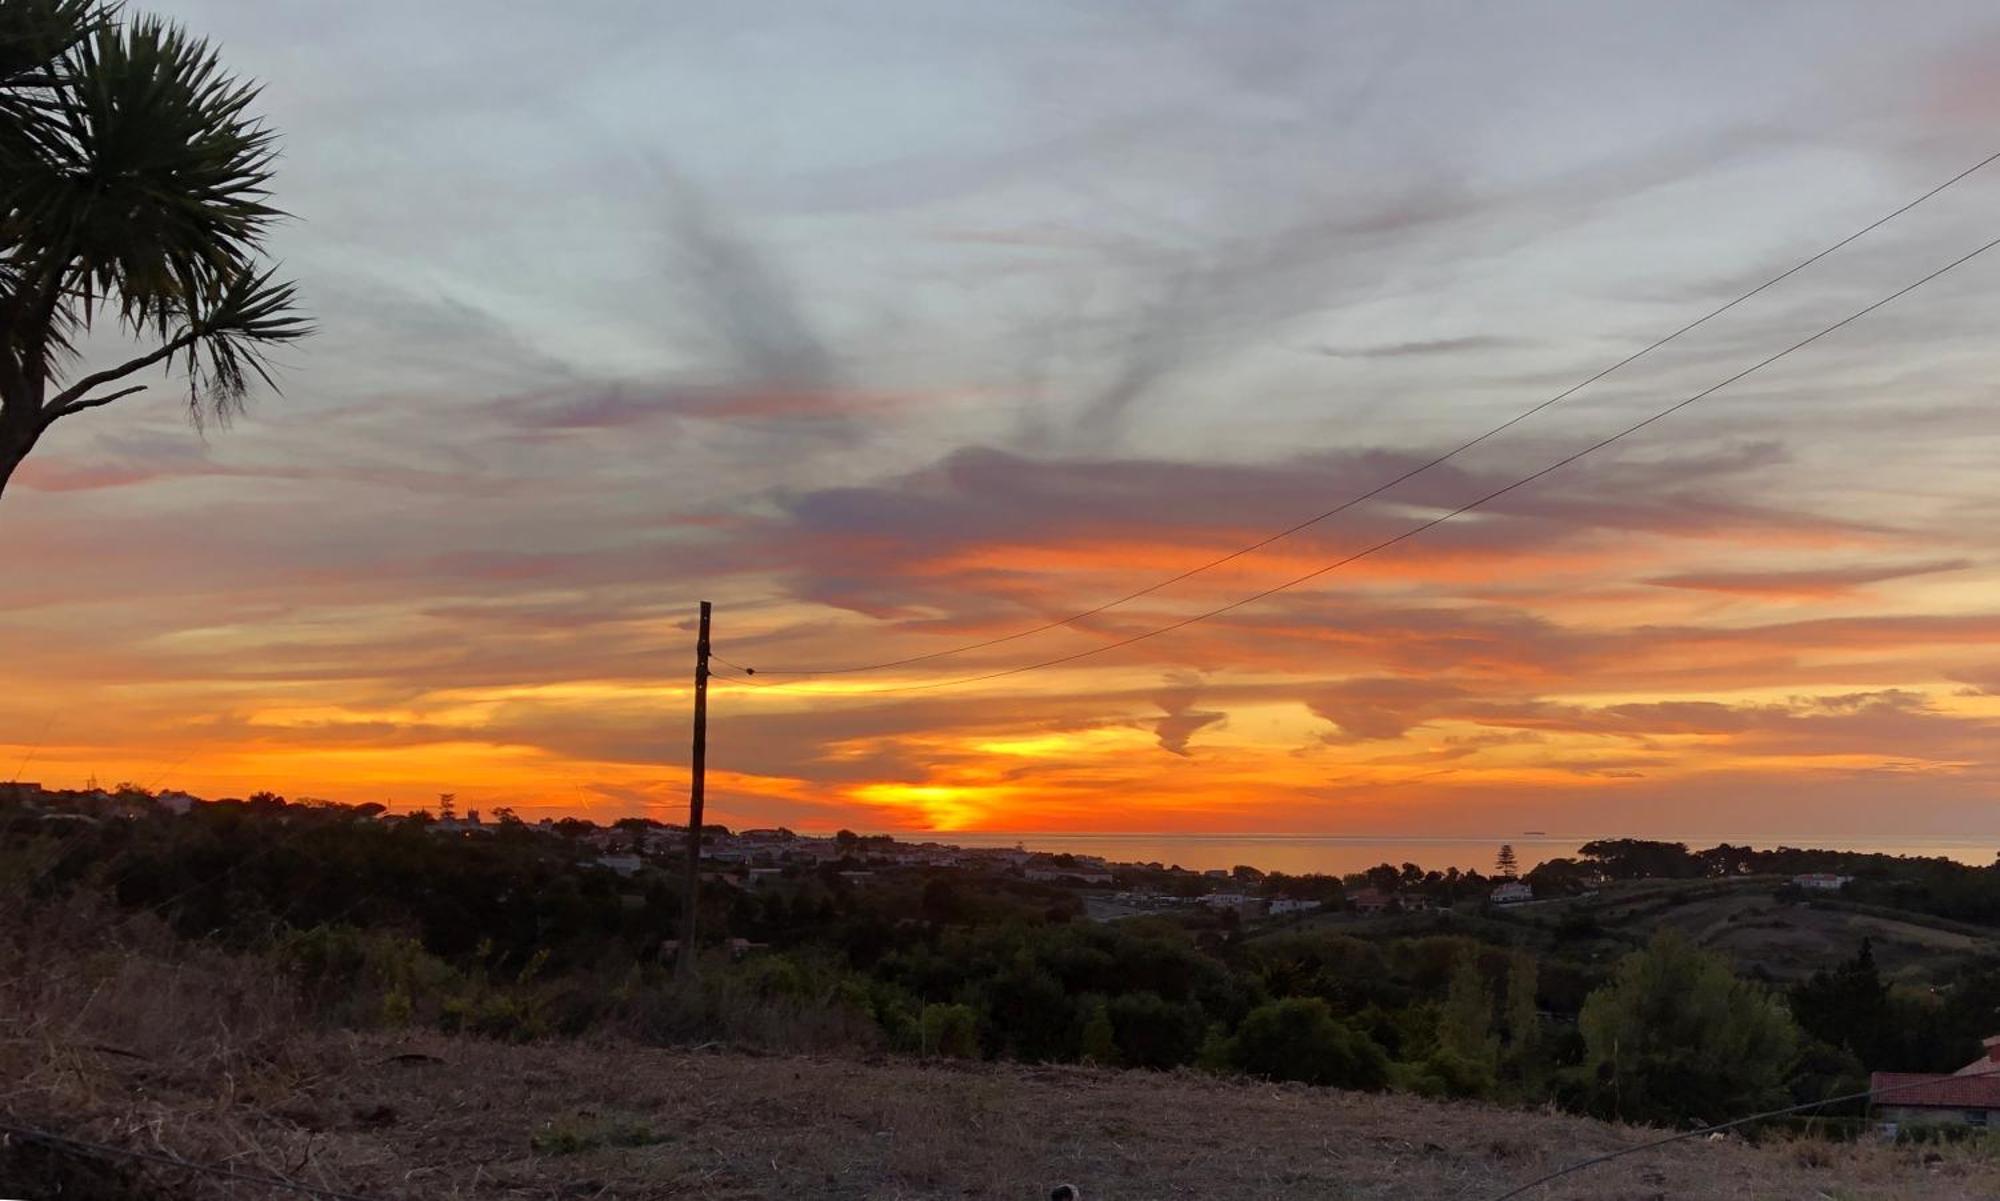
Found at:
<point>520,935</point>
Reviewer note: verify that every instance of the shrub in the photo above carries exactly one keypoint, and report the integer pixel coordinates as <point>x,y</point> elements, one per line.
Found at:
<point>951,1031</point>
<point>1153,1032</point>
<point>1099,1043</point>
<point>1298,1038</point>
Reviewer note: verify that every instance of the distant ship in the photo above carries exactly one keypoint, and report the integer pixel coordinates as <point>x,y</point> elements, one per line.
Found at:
<point>1534,833</point>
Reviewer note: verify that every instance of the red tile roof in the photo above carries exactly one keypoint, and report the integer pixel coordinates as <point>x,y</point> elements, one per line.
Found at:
<point>1944,1092</point>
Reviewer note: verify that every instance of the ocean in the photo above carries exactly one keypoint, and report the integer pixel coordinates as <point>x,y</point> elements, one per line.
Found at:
<point>1337,854</point>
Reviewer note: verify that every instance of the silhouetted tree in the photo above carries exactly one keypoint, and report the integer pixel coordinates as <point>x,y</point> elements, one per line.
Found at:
<point>1677,1034</point>
<point>132,192</point>
<point>1506,865</point>
<point>1849,1008</point>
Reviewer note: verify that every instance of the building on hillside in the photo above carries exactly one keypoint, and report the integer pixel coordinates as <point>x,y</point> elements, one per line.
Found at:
<point>1513,892</point>
<point>1989,1062</point>
<point>761,877</point>
<point>624,865</point>
<point>1906,1099</point>
<point>175,802</point>
<point>1968,1097</point>
<point>1821,881</point>
<point>1369,902</point>
<point>1280,906</point>
<point>459,827</point>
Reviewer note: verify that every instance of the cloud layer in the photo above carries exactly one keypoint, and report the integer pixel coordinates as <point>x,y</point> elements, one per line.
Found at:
<point>894,334</point>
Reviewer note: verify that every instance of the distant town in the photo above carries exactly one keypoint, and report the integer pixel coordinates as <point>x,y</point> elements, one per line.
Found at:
<point>763,858</point>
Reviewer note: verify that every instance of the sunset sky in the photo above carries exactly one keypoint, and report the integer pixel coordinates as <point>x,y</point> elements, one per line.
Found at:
<point>891,327</point>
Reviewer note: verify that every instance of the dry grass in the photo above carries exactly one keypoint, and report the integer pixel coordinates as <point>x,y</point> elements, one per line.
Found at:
<point>137,1041</point>
<point>431,1116</point>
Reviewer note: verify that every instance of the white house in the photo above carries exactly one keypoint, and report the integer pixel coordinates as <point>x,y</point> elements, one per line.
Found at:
<point>174,802</point>
<point>1821,881</point>
<point>624,865</point>
<point>1513,892</point>
<point>1284,905</point>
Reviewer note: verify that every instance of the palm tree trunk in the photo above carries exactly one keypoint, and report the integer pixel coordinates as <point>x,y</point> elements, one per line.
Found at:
<point>17,438</point>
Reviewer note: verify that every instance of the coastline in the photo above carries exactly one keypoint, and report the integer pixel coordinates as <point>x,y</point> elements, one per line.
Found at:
<point>1342,853</point>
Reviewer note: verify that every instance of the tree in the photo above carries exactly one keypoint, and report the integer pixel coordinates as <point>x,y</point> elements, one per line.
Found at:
<point>1849,1008</point>
<point>132,194</point>
<point>1505,864</point>
<point>1467,1055</point>
<point>1298,1038</point>
<point>1522,1020</point>
<point>1676,1034</point>
<point>1466,1024</point>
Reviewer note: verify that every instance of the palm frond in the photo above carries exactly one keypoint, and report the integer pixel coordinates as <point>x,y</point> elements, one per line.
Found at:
<point>134,182</point>
<point>228,343</point>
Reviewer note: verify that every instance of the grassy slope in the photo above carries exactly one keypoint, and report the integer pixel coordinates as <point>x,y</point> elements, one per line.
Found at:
<point>429,1116</point>
<point>1787,940</point>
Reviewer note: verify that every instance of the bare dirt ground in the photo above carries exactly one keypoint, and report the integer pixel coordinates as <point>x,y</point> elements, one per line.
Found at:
<point>436,1117</point>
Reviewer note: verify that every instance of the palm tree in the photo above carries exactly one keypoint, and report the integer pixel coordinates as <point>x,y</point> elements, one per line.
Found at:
<point>132,192</point>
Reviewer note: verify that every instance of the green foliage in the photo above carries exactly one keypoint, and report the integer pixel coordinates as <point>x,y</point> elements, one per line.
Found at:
<point>951,1031</point>
<point>1298,1038</point>
<point>1465,1025</point>
<point>367,976</point>
<point>573,1136</point>
<point>1153,1032</point>
<point>1465,1062</point>
<point>1676,1033</point>
<point>1446,1073</point>
<point>1099,1045</point>
<point>1522,1022</point>
<point>1217,1051</point>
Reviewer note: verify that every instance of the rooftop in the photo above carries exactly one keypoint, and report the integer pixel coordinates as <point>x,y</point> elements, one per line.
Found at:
<point>1930,1089</point>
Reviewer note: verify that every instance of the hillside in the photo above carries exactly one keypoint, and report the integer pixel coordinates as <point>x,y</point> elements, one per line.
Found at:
<point>1781,939</point>
<point>432,1116</point>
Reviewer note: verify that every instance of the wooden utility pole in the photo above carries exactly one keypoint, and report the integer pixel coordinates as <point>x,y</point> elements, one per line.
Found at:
<point>698,770</point>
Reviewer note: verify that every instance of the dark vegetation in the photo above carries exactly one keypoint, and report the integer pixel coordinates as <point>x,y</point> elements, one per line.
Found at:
<point>520,935</point>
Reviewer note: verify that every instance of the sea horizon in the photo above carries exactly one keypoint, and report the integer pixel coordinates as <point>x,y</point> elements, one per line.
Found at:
<point>1302,853</point>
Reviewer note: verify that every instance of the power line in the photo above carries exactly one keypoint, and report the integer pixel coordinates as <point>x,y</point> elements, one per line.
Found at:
<point>744,678</point>
<point>63,1144</point>
<point>1412,532</point>
<point>1447,456</point>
